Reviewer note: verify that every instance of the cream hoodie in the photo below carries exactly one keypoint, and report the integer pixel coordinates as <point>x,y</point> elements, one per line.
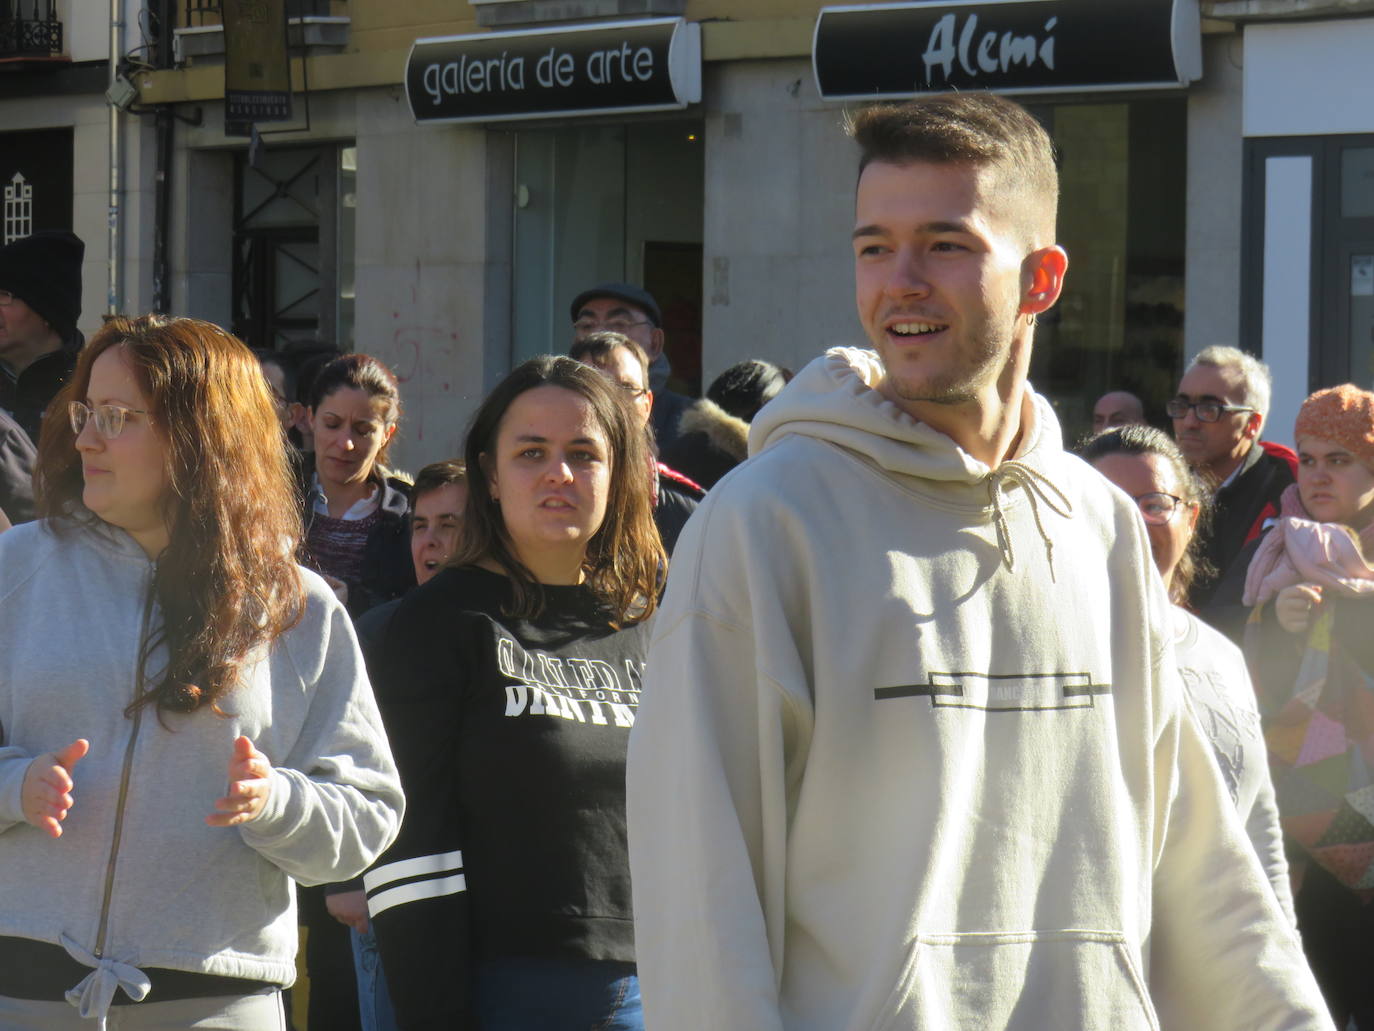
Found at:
<point>911,751</point>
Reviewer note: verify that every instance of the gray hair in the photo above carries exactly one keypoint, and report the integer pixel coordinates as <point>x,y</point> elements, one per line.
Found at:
<point>1256,380</point>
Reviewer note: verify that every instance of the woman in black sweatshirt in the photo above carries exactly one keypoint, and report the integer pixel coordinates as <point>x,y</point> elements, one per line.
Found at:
<point>510,683</point>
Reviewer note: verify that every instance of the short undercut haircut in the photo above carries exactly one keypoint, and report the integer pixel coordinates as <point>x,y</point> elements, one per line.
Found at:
<point>980,130</point>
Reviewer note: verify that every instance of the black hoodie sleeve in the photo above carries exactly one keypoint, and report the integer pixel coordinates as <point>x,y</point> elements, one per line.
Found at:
<point>416,891</point>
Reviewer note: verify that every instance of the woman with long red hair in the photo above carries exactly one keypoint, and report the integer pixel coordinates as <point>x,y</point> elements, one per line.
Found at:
<point>185,723</point>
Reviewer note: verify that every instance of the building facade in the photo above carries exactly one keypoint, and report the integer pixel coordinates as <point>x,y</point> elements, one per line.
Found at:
<point>439,203</point>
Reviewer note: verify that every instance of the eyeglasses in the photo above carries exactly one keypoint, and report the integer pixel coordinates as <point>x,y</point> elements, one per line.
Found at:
<point>617,325</point>
<point>6,298</point>
<point>1158,508</point>
<point>109,419</point>
<point>1207,411</point>
<point>631,391</point>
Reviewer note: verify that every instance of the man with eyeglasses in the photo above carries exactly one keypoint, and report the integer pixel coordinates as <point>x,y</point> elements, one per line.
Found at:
<point>621,360</point>
<point>1218,413</point>
<point>40,301</point>
<point>632,311</point>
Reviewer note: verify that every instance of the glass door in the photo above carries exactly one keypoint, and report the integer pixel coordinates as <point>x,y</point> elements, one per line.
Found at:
<point>1351,287</point>
<point>598,203</point>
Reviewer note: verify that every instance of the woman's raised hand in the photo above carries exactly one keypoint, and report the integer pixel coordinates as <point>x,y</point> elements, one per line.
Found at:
<point>47,789</point>
<point>1293,606</point>
<point>250,782</point>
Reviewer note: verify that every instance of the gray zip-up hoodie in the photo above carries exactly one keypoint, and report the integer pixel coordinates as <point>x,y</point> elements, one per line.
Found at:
<point>138,879</point>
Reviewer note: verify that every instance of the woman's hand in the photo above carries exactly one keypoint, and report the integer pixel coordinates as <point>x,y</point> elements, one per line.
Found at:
<point>1294,606</point>
<point>47,788</point>
<point>250,782</point>
<point>349,908</point>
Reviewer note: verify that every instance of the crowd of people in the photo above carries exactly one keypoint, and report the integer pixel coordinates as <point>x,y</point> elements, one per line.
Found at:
<point>919,720</point>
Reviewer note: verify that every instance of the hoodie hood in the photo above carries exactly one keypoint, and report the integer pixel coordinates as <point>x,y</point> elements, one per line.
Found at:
<point>836,399</point>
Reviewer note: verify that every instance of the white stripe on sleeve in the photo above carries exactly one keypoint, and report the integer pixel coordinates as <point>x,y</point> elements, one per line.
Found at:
<point>444,862</point>
<point>414,892</point>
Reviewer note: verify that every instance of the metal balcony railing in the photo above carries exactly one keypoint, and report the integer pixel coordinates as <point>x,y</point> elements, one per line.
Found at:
<point>29,28</point>
<point>199,13</point>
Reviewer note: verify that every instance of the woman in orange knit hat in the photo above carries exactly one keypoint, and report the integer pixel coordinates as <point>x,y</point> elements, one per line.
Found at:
<point>1312,655</point>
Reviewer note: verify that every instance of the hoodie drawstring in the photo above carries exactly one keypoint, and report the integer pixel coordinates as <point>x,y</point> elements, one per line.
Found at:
<point>93,996</point>
<point>1038,488</point>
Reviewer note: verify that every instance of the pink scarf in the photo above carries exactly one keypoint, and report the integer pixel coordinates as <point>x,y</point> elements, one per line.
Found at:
<point>1298,550</point>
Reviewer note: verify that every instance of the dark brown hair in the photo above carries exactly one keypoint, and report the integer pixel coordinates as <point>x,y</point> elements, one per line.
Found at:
<point>1146,440</point>
<point>365,373</point>
<point>981,130</point>
<point>226,583</point>
<point>597,348</point>
<point>624,562</point>
<point>436,475</point>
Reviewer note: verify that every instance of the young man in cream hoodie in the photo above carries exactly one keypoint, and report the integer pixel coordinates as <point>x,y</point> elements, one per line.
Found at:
<point>912,752</point>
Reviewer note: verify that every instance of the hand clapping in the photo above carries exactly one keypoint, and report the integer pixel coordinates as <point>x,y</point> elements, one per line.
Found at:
<point>250,782</point>
<point>47,788</point>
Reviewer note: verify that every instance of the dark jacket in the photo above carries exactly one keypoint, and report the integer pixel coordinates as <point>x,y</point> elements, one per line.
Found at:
<point>17,457</point>
<point>1239,512</point>
<point>710,443</point>
<point>675,499</point>
<point>388,571</point>
<point>28,396</point>
<point>665,414</point>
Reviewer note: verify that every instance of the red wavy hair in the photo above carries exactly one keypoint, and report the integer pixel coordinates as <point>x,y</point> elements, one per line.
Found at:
<point>227,583</point>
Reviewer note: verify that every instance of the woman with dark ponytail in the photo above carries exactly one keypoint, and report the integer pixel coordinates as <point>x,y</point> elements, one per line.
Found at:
<point>357,515</point>
<point>1147,465</point>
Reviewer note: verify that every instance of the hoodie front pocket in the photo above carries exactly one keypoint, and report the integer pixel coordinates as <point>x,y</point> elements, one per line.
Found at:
<point>1033,980</point>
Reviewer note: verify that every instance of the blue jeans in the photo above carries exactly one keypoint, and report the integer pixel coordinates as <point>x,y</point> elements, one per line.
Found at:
<point>374,1001</point>
<point>557,995</point>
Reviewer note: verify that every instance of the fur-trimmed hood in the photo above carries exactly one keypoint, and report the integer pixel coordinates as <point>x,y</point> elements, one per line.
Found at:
<point>723,430</point>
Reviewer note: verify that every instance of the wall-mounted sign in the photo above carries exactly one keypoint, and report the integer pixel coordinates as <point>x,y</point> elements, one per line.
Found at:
<point>1012,46</point>
<point>650,65</point>
<point>257,72</point>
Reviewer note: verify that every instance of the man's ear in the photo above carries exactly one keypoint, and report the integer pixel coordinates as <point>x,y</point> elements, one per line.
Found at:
<point>1253,425</point>
<point>1043,279</point>
<point>656,341</point>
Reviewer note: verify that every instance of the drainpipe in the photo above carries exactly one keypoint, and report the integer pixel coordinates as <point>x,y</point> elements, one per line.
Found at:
<point>162,208</point>
<point>113,294</point>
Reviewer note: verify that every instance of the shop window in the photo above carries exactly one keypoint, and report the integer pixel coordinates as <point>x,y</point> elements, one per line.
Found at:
<point>1119,323</point>
<point>609,202</point>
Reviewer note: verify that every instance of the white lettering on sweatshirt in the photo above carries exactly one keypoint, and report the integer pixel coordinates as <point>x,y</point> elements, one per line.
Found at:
<point>568,687</point>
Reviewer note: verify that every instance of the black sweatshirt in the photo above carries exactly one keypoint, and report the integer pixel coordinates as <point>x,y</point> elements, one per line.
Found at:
<point>510,735</point>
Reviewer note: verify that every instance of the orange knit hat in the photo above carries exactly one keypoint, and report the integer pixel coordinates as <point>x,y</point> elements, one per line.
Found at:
<point>1343,415</point>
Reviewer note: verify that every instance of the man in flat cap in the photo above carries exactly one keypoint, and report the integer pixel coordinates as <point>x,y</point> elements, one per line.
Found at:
<point>40,301</point>
<point>632,310</point>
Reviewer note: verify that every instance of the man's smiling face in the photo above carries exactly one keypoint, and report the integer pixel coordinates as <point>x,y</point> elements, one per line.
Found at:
<point>938,278</point>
